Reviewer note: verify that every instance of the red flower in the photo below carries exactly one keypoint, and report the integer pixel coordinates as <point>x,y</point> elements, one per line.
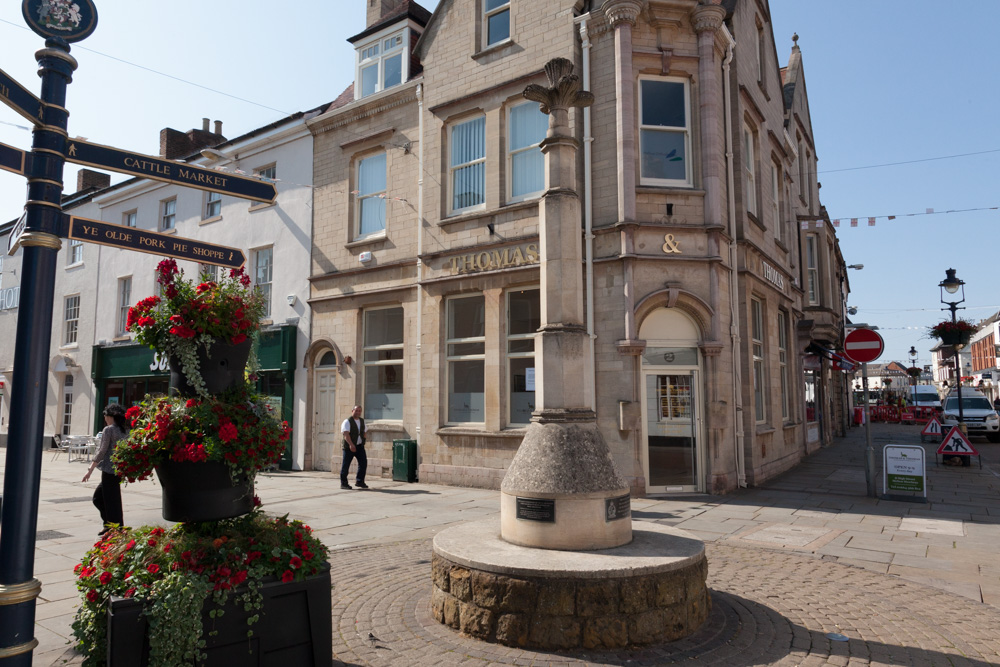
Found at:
<point>105,578</point>
<point>287,576</point>
<point>153,568</point>
<point>295,562</point>
<point>130,592</point>
<point>238,338</point>
<point>228,432</point>
<point>93,596</point>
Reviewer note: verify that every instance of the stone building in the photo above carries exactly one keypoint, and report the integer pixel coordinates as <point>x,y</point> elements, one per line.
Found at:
<point>710,265</point>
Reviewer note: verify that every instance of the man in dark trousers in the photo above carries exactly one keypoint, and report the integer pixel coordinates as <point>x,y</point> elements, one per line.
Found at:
<point>354,432</point>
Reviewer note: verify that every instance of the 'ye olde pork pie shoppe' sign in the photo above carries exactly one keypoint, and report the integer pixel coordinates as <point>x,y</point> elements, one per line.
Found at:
<point>491,260</point>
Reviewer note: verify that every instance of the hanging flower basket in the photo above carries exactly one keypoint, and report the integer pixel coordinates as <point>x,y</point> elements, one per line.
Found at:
<point>914,372</point>
<point>202,491</point>
<point>957,333</point>
<point>222,366</point>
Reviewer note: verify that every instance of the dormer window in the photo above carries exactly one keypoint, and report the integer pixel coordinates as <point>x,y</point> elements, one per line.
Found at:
<point>381,64</point>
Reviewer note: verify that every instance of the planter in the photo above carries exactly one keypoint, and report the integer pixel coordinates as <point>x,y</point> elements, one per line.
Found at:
<point>221,367</point>
<point>202,492</point>
<point>294,629</point>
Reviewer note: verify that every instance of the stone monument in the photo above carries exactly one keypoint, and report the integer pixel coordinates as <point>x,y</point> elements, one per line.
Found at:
<point>566,567</point>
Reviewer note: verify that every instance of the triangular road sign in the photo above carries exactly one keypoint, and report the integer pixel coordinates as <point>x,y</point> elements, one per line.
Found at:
<point>957,444</point>
<point>933,428</point>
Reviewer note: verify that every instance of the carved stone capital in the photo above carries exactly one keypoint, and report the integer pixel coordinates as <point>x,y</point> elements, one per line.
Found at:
<point>564,88</point>
<point>622,11</point>
<point>708,18</point>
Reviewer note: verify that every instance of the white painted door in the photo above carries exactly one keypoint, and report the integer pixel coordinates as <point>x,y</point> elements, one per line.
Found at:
<point>326,436</point>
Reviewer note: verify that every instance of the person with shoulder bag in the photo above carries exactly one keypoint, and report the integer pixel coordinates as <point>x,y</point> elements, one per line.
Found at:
<point>108,495</point>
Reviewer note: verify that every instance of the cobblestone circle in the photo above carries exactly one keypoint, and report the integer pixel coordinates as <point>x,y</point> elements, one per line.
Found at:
<point>770,607</point>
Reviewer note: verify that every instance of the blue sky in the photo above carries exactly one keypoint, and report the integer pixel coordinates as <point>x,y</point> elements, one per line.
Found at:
<point>888,81</point>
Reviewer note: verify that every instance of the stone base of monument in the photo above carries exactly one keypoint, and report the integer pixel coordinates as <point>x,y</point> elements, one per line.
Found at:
<point>649,591</point>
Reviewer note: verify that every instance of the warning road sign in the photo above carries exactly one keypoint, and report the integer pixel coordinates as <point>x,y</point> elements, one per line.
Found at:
<point>957,443</point>
<point>933,428</point>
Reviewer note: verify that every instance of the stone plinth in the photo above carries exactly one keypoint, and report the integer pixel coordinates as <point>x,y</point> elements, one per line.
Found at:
<point>649,591</point>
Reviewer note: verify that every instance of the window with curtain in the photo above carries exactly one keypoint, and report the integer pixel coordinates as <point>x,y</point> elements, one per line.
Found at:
<point>370,211</point>
<point>168,214</point>
<point>72,319</point>
<point>263,273</point>
<point>527,128</point>
<point>757,338</point>
<point>130,219</point>
<point>467,164</point>
<point>496,21</point>
<point>383,363</point>
<point>664,132</point>
<point>466,358</point>
<point>213,204</point>
<point>812,269</point>
<point>75,255</point>
<point>524,317</point>
<point>783,362</point>
<point>124,302</point>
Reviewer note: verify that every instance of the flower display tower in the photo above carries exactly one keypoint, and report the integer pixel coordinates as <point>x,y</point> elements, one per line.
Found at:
<point>566,567</point>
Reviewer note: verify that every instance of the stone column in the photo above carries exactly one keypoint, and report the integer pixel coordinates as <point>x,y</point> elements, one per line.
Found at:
<point>562,484</point>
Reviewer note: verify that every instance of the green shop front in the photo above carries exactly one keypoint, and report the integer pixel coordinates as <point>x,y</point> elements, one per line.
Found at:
<point>124,374</point>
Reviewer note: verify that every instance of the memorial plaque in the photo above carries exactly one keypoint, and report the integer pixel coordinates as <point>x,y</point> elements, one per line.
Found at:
<point>536,509</point>
<point>617,508</point>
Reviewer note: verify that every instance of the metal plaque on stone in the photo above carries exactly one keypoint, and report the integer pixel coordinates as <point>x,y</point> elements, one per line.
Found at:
<point>617,508</point>
<point>536,509</point>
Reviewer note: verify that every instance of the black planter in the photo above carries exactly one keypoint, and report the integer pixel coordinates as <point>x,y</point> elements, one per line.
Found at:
<point>294,629</point>
<point>202,492</point>
<point>960,339</point>
<point>221,367</point>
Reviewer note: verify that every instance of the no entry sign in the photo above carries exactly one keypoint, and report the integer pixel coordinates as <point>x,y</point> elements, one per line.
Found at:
<point>863,345</point>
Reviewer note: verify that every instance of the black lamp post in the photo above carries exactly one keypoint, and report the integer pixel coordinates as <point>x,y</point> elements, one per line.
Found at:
<point>913,364</point>
<point>952,285</point>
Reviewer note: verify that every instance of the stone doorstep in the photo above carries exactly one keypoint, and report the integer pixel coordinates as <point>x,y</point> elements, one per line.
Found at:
<point>564,613</point>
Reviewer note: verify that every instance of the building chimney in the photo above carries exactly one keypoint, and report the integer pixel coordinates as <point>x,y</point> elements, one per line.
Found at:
<point>218,127</point>
<point>175,145</point>
<point>379,8</point>
<point>87,179</point>
<point>204,124</point>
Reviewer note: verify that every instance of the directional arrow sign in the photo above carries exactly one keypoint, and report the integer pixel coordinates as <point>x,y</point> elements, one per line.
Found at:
<point>18,98</point>
<point>14,240</point>
<point>117,236</point>
<point>14,159</point>
<point>158,169</point>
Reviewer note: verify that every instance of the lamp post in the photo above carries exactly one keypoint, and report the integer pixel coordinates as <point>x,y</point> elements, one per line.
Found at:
<point>913,364</point>
<point>952,285</point>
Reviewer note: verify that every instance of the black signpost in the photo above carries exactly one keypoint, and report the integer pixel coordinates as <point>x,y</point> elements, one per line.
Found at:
<point>38,235</point>
<point>110,234</point>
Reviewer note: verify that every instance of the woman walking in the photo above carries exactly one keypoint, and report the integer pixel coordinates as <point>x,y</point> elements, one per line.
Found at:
<point>108,496</point>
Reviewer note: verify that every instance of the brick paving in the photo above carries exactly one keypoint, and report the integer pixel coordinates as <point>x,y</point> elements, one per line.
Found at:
<point>805,556</point>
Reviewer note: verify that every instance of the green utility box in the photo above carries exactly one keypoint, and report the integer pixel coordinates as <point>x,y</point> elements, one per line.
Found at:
<point>404,460</point>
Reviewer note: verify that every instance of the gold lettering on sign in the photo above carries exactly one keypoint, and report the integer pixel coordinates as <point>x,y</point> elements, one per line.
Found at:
<point>197,176</point>
<point>157,168</point>
<point>671,246</point>
<point>495,259</point>
<point>4,91</point>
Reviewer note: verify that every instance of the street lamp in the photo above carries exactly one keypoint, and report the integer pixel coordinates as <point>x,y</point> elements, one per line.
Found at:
<point>913,364</point>
<point>952,285</point>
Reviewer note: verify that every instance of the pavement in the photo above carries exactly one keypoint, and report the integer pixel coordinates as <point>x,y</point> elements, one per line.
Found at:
<point>806,570</point>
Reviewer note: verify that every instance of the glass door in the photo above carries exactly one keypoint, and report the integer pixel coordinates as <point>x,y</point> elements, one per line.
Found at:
<point>671,454</point>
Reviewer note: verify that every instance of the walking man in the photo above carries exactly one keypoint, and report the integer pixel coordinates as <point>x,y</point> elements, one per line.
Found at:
<point>354,432</point>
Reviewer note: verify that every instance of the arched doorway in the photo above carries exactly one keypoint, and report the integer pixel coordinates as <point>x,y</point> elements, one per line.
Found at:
<point>673,455</point>
<point>326,434</point>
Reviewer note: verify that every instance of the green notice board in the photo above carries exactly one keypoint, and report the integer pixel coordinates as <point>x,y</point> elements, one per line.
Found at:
<point>905,469</point>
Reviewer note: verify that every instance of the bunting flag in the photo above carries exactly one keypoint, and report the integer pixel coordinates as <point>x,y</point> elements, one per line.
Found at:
<point>836,223</point>
<point>854,222</point>
<point>805,224</point>
<point>871,222</point>
<point>820,224</point>
<point>872,219</point>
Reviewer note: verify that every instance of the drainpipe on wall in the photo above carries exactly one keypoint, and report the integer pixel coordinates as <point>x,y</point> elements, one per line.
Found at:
<point>588,213</point>
<point>420,252</point>
<point>734,300</point>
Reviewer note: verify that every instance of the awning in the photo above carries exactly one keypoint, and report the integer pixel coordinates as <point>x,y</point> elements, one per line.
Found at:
<point>837,360</point>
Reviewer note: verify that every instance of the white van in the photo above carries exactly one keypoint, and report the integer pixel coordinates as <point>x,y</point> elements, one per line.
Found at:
<point>923,396</point>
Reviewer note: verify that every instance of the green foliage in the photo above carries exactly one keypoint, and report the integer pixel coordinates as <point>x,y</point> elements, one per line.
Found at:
<point>174,571</point>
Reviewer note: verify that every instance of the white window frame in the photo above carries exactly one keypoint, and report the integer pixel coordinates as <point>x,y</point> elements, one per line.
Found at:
<point>168,214</point>
<point>513,152</point>
<point>75,253</point>
<point>812,269</point>
<point>686,131</point>
<point>783,363</point>
<point>372,52</point>
<point>512,356</point>
<point>210,271</point>
<point>453,359</point>
<point>71,319</point>
<point>750,170</point>
<point>382,365</point>
<point>503,7</point>
<point>67,403</point>
<point>213,205</point>
<point>757,343</point>
<point>776,201</point>
<point>268,172</point>
<point>264,283</point>
<point>374,194</point>
<point>124,303</point>
<point>130,218</point>
<point>454,168</point>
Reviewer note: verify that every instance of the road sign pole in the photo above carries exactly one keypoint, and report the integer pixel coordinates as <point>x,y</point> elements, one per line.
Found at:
<point>40,244</point>
<point>869,450</point>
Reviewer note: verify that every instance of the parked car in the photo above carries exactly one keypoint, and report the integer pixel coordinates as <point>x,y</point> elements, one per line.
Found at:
<point>977,410</point>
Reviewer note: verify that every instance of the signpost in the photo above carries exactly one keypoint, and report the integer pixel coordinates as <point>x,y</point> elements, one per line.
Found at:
<point>863,345</point>
<point>956,443</point>
<point>904,470</point>
<point>109,234</point>
<point>38,235</point>
<point>169,171</point>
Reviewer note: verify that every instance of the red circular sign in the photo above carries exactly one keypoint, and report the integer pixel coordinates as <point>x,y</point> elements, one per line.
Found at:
<point>863,345</point>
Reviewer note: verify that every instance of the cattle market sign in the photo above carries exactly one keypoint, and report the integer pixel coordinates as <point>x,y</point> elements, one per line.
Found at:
<point>491,260</point>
